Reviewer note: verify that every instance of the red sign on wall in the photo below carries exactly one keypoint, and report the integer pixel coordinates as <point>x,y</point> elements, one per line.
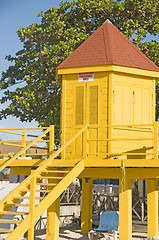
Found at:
<point>86,77</point>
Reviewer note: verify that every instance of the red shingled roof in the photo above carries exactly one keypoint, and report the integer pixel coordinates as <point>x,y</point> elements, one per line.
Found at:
<point>107,45</point>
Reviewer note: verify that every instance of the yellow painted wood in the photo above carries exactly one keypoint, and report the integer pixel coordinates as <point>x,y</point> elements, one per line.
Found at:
<point>25,163</point>
<point>156,140</point>
<point>110,109</point>
<point>6,131</point>
<point>51,140</point>
<point>34,213</point>
<point>115,173</point>
<point>52,232</point>
<point>19,230</point>
<point>109,68</point>
<point>132,104</point>
<point>125,97</point>
<point>10,221</point>
<point>140,163</point>
<point>21,170</point>
<point>32,207</point>
<point>23,142</point>
<point>83,101</point>
<point>48,200</point>
<point>5,230</point>
<point>86,210</point>
<point>10,144</point>
<point>152,208</point>
<point>23,128</point>
<point>154,100</point>
<point>23,150</point>
<point>63,115</point>
<point>13,213</point>
<point>125,209</point>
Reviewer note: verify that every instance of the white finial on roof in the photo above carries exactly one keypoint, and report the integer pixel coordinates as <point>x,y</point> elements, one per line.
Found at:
<point>107,21</point>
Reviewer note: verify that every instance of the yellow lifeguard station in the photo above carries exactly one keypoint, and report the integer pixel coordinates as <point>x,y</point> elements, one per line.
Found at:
<point>108,131</point>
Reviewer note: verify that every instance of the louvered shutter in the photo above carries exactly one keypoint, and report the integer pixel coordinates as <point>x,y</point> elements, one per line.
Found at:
<point>79,105</point>
<point>93,105</point>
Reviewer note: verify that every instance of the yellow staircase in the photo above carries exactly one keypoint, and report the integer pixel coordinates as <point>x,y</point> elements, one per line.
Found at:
<point>59,175</point>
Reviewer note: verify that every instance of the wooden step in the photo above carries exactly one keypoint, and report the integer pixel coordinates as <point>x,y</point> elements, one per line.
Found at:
<point>24,190</point>
<point>20,197</point>
<point>55,171</point>
<point>5,230</point>
<point>17,204</point>
<point>39,190</point>
<point>13,213</point>
<point>9,221</point>
<point>50,177</point>
<point>47,191</point>
<point>47,184</point>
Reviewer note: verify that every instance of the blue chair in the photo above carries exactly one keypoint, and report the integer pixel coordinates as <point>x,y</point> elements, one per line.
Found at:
<point>109,222</point>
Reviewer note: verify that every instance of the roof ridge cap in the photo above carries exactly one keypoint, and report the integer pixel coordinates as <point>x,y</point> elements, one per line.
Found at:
<point>111,58</point>
<point>105,48</point>
<point>137,49</point>
<point>107,21</point>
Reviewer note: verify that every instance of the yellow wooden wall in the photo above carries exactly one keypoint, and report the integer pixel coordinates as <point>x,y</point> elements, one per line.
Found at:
<point>133,102</point>
<point>94,96</point>
<point>126,98</point>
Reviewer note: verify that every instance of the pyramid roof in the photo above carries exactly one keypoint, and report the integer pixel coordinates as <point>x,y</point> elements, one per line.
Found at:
<point>107,45</point>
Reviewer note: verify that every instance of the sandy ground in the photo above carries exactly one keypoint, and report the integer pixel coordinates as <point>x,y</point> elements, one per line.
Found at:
<point>73,232</point>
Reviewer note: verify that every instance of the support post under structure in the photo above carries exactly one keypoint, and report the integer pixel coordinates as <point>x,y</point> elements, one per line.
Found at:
<point>32,206</point>
<point>53,212</point>
<point>125,209</point>
<point>86,211</point>
<point>152,208</point>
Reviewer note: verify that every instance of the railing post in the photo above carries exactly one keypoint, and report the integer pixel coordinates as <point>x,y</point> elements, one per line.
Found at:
<point>51,140</point>
<point>155,140</point>
<point>32,206</point>
<point>86,143</point>
<point>24,142</point>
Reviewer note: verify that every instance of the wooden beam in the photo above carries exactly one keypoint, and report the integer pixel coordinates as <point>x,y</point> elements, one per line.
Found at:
<point>86,211</point>
<point>152,208</point>
<point>115,173</point>
<point>125,209</point>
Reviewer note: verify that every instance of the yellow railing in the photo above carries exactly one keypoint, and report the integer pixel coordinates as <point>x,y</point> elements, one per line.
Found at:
<point>139,134</point>
<point>36,211</point>
<point>42,167</point>
<point>25,139</point>
<point>27,144</point>
<point>127,136</point>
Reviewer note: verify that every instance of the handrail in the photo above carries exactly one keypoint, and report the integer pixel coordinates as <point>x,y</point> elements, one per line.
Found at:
<point>21,143</point>
<point>16,133</point>
<point>122,125</point>
<point>24,149</point>
<point>16,129</point>
<point>42,166</point>
<point>147,133</point>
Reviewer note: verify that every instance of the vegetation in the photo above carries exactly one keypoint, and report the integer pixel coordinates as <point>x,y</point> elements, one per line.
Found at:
<point>60,32</point>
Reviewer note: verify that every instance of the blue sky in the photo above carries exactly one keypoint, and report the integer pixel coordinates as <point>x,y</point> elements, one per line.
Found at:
<point>15,14</point>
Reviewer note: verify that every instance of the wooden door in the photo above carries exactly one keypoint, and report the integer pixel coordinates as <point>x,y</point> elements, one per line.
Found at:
<point>86,111</point>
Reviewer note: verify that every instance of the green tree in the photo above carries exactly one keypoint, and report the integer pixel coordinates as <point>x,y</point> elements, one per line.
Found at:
<point>60,32</point>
